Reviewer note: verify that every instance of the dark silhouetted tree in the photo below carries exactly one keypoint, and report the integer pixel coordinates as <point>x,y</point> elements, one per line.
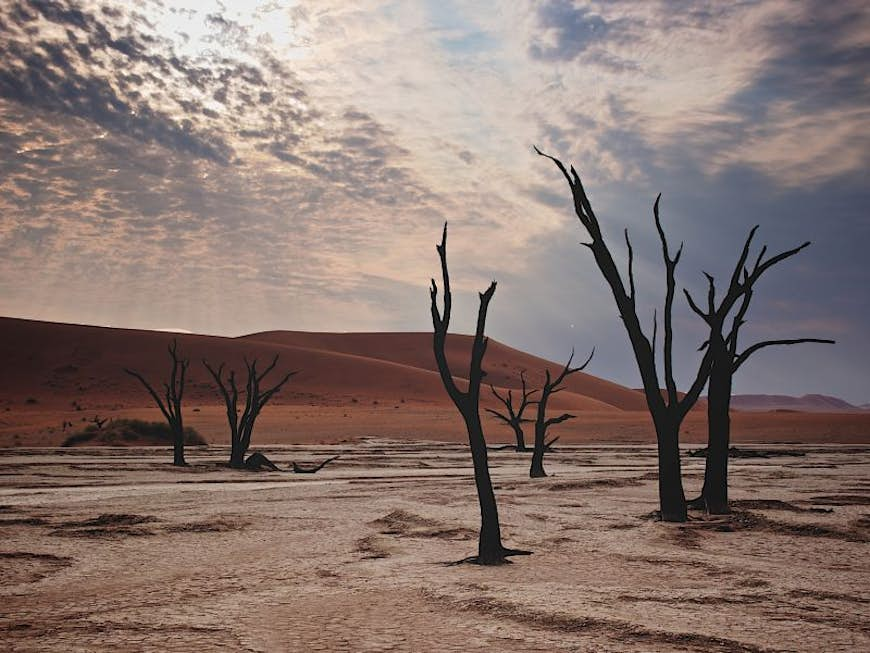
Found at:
<point>727,359</point>
<point>170,405</point>
<point>489,550</point>
<point>542,423</point>
<point>667,408</point>
<point>514,416</point>
<point>242,425</point>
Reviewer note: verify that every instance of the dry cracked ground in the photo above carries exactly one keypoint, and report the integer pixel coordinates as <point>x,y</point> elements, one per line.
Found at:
<point>115,550</point>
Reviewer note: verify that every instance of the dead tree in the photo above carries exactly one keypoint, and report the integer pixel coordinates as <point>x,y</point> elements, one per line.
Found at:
<point>170,405</point>
<point>99,422</point>
<point>727,360</point>
<point>667,408</point>
<point>551,387</point>
<point>514,417</point>
<point>242,426</point>
<point>489,549</point>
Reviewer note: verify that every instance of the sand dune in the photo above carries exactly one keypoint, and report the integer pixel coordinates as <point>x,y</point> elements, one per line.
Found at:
<point>349,385</point>
<point>60,362</point>
<point>807,403</point>
<point>503,363</point>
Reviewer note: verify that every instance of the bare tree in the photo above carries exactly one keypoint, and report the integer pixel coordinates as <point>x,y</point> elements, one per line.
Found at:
<point>489,550</point>
<point>514,417</point>
<point>242,426</point>
<point>727,360</point>
<point>170,405</point>
<point>551,387</point>
<point>668,408</point>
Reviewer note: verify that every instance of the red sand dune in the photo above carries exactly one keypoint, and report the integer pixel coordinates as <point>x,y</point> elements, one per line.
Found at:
<point>345,386</point>
<point>58,363</point>
<point>807,403</point>
<point>503,364</point>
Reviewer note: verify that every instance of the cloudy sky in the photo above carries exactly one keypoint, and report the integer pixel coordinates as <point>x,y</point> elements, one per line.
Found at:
<point>231,167</point>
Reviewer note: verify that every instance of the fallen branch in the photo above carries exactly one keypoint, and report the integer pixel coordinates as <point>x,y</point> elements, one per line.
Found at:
<point>299,469</point>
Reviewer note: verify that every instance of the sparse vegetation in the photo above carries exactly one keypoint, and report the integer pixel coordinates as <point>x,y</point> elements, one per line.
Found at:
<point>132,431</point>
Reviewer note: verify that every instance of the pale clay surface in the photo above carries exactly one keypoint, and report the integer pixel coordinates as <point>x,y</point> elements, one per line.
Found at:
<point>352,558</point>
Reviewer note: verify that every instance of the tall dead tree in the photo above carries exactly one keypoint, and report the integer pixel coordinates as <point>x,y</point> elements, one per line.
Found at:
<point>727,359</point>
<point>667,408</point>
<point>514,416</point>
<point>170,404</point>
<point>242,425</point>
<point>542,423</point>
<point>489,549</point>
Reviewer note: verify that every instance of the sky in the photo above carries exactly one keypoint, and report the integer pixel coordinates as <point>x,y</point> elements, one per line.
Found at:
<point>234,167</point>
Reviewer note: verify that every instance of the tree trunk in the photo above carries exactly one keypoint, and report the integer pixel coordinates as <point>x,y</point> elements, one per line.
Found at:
<point>536,470</point>
<point>178,446</point>
<point>489,550</point>
<point>715,492</point>
<point>521,442</point>
<point>672,499</point>
<point>237,454</point>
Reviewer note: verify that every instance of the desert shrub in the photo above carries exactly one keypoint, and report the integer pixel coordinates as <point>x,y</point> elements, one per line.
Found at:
<point>131,431</point>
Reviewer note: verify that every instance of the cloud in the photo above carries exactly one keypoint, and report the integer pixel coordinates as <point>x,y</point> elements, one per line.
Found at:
<point>780,86</point>
<point>109,121</point>
<point>569,30</point>
<point>230,169</point>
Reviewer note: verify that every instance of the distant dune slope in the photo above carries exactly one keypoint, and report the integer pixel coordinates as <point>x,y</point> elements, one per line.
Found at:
<point>56,364</point>
<point>55,378</point>
<point>808,403</point>
<point>503,364</point>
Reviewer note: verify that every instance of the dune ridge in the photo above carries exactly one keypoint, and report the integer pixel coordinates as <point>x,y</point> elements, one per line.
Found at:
<point>57,377</point>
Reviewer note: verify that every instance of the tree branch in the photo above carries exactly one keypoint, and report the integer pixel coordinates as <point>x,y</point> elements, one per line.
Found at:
<point>741,358</point>
<point>559,419</point>
<point>631,292</point>
<point>151,391</point>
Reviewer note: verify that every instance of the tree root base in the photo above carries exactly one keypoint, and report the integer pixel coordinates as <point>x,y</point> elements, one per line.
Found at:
<point>701,504</point>
<point>491,562</point>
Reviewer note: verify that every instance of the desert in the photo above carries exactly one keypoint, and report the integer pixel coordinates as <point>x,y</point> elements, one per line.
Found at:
<point>423,326</point>
<point>349,386</point>
<point>113,548</point>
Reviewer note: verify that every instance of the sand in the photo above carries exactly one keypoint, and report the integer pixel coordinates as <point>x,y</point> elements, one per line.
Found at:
<point>349,385</point>
<point>115,550</point>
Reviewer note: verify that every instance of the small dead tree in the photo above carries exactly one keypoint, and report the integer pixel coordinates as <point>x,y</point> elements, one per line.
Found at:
<point>170,404</point>
<point>489,549</point>
<point>727,359</point>
<point>242,426</point>
<point>514,416</point>
<point>542,423</point>
<point>99,423</point>
<point>668,408</point>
